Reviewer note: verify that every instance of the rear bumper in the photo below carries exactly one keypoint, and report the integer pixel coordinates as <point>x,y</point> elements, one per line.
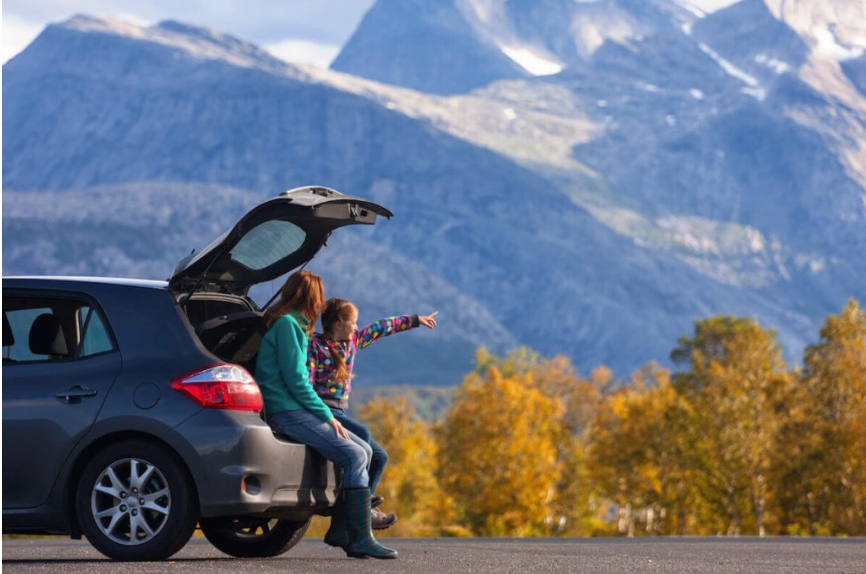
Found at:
<point>241,468</point>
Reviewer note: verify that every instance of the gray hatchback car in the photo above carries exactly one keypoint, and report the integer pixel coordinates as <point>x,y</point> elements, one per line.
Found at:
<point>129,411</point>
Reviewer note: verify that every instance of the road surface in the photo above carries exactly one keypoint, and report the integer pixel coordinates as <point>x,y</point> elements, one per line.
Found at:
<point>461,556</point>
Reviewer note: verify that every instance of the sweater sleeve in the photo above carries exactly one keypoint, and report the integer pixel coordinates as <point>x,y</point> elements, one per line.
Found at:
<point>292,343</point>
<point>384,327</point>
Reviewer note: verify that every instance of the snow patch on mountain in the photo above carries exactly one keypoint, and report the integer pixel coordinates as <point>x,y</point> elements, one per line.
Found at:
<point>828,45</point>
<point>532,62</point>
<point>691,8</point>
<point>701,8</point>
<point>591,29</point>
<point>753,86</point>
<point>835,28</point>
<point>778,66</point>
<point>646,87</point>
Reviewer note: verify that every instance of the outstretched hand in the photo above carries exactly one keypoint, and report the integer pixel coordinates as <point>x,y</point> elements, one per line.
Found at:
<point>428,320</point>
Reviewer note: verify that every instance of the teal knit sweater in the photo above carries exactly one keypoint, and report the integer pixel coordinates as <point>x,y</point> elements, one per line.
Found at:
<point>282,371</point>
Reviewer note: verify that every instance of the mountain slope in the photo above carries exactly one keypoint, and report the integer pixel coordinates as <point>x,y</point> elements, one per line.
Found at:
<point>508,220</point>
<point>743,131</point>
<point>404,47</point>
<point>455,46</point>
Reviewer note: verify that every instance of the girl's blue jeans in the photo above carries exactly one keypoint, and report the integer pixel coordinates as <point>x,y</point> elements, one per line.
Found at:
<point>380,457</point>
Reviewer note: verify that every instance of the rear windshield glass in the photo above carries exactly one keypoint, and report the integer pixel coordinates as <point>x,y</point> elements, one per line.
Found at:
<point>268,243</point>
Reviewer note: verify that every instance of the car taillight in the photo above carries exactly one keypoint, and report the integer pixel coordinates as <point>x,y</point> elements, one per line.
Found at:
<point>221,386</point>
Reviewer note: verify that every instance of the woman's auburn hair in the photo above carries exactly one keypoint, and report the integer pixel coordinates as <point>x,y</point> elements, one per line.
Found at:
<point>303,293</point>
<point>337,309</point>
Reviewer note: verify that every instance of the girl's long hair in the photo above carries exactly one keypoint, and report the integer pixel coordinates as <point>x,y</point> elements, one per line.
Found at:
<point>337,310</point>
<point>303,293</point>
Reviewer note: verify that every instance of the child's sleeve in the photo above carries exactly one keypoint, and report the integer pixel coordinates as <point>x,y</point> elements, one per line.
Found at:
<point>384,327</point>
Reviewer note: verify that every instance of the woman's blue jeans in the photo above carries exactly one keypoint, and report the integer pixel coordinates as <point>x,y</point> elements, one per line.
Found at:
<point>380,457</point>
<point>352,456</point>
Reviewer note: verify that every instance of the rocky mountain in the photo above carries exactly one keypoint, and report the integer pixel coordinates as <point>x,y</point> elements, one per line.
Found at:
<point>400,43</point>
<point>454,46</point>
<point>664,174</point>
<point>732,141</point>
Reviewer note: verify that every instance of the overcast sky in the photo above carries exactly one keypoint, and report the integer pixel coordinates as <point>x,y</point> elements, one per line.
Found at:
<point>308,31</point>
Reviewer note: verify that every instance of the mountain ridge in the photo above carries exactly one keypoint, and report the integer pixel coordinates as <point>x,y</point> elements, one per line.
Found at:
<point>507,215</point>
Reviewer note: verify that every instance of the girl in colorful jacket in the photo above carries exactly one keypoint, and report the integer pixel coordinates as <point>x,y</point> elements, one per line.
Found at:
<point>332,360</point>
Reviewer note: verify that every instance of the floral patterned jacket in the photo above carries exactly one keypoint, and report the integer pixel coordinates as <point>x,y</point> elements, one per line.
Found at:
<point>321,350</point>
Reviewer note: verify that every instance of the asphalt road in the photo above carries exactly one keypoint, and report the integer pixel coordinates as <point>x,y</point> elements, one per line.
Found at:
<point>488,555</point>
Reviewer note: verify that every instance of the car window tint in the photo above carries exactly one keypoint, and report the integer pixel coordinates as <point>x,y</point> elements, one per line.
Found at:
<point>95,338</point>
<point>20,322</point>
<point>268,243</point>
<point>83,328</point>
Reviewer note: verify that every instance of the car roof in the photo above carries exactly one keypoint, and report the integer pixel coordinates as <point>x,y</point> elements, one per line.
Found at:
<point>130,282</point>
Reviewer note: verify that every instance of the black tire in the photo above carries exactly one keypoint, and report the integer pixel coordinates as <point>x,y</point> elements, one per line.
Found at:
<point>253,537</point>
<point>136,502</point>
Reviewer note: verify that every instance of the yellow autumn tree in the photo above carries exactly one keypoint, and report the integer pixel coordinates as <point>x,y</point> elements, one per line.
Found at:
<point>735,387</point>
<point>635,455</point>
<point>825,468</point>
<point>409,484</point>
<point>575,509</point>
<point>499,454</point>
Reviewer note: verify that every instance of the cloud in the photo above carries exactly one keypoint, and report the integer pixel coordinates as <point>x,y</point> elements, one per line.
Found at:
<point>17,34</point>
<point>304,52</point>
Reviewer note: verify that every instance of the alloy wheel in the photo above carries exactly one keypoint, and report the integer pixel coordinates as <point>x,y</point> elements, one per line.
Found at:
<point>131,501</point>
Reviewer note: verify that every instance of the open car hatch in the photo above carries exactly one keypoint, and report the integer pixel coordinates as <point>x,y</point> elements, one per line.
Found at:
<point>276,237</point>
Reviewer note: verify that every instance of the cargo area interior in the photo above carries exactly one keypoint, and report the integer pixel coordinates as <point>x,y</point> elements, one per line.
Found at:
<point>228,327</point>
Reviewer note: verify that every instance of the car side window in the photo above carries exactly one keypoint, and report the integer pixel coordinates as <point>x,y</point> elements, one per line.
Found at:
<point>52,328</point>
<point>95,338</point>
<point>21,323</point>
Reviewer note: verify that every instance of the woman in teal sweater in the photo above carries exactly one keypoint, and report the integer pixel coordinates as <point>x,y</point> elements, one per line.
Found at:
<point>294,409</point>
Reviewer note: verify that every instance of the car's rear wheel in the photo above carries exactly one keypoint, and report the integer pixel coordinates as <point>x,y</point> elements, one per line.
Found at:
<point>253,537</point>
<point>136,502</point>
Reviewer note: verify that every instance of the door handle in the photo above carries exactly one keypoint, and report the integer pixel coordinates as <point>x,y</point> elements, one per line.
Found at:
<point>75,394</point>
